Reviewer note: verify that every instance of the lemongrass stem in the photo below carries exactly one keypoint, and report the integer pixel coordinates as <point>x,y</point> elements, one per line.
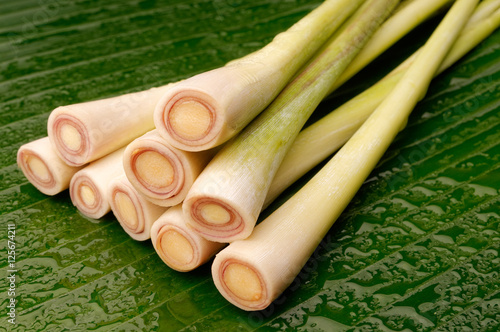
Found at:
<point>322,138</point>
<point>404,20</point>
<point>135,214</point>
<point>160,172</point>
<point>207,109</point>
<point>178,245</point>
<point>227,197</point>
<point>252,273</point>
<point>89,187</point>
<point>84,132</point>
<point>42,167</point>
<point>484,9</point>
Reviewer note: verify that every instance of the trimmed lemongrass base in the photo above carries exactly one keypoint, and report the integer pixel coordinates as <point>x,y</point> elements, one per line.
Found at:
<point>160,172</point>
<point>135,214</point>
<point>322,138</point>
<point>178,245</point>
<point>226,199</point>
<point>206,110</point>
<point>279,247</point>
<point>89,187</point>
<point>42,167</point>
<point>85,132</point>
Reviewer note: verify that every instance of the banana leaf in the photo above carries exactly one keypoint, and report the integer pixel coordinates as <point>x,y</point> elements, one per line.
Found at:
<point>418,248</point>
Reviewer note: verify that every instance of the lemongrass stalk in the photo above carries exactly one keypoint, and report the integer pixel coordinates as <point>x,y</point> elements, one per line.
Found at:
<point>484,9</point>
<point>43,168</point>
<point>160,172</point>
<point>89,187</point>
<point>406,18</point>
<point>206,110</point>
<point>84,132</point>
<point>135,214</point>
<point>252,273</point>
<point>226,199</point>
<point>178,245</point>
<point>322,138</point>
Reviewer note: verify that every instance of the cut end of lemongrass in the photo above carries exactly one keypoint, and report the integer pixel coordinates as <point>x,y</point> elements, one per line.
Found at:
<point>215,219</point>
<point>87,198</point>
<point>177,244</point>
<point>241,284</point>
<point>43,168</point>
<point>126,211</point>
<point>37,167</point>
<point>176,248</point>
<point>215,214</point>
<point>135,214</point>
<point>36,170</point>
<point>69,137</point>
<point>88,195</point>
<point>188,119</point>
<point>154,169</point>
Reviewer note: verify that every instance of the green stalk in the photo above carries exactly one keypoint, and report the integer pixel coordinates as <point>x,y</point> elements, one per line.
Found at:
<point>227,197</point>
<point>484,9</point>
<point>321,139</point>
<point>407,16</point>
<point>206,110</point>
<point>252,273</point>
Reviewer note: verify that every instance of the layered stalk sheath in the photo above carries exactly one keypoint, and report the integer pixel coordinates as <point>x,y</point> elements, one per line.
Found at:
<point>84,132</point>
<point>226,199</point>
<point>89,187</point>
<point>318,141</point>
<point>178,245</point>
<point>160,172</point>
<point>206,110</point>
<point>135,214</point>
<point>252,273</point>
<point>43,168</point>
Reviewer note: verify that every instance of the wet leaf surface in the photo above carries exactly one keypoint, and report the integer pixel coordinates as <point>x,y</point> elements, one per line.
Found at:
<point>418,249</point>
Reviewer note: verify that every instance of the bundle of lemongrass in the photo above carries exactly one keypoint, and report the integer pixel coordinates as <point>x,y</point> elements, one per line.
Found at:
<point>190,190</point>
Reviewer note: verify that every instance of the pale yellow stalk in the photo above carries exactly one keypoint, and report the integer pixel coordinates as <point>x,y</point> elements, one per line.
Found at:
<point>206,110</point>
<point>135,214</point>
<point>178,245</point>
<point>85,132</point>
<point>484,9</point>
<point>407,16</point>
<point>252,273</point>
<point>43,168</point>
<point>89,187</point>
<point>160,172</point>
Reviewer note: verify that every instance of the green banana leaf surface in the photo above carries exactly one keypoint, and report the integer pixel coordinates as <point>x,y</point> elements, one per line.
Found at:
<point>418,248</point>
